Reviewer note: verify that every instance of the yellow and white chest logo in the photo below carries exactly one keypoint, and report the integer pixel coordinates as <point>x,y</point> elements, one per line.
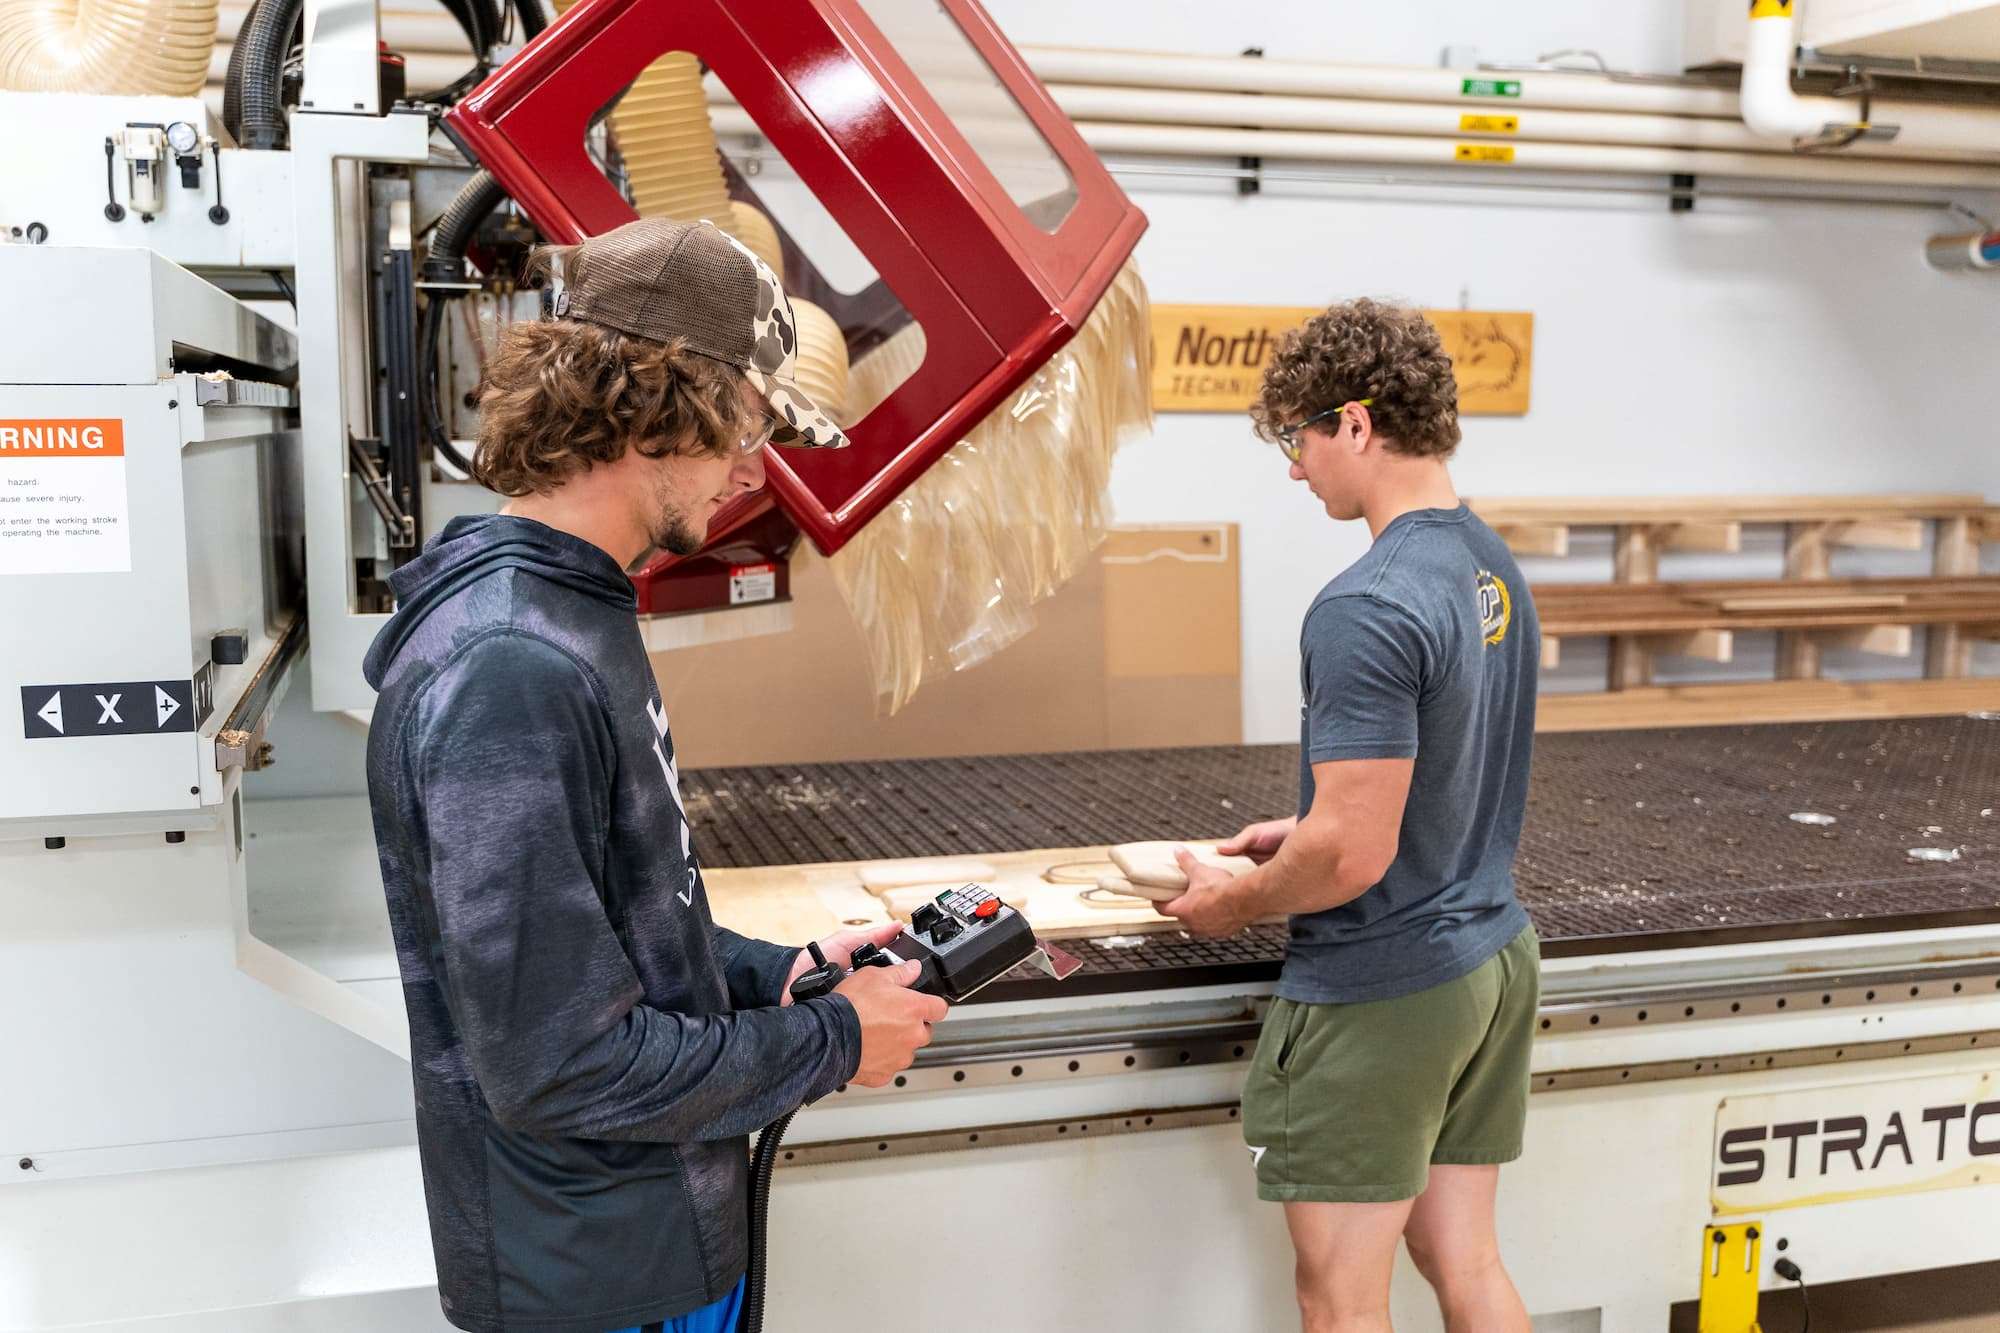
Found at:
<point>1496,606</point>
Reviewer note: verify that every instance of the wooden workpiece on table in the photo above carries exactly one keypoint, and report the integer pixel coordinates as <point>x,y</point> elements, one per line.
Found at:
<point>809,902</point>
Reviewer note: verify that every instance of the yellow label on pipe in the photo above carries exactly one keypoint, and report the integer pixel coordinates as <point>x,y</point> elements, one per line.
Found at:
<point>1770,9</point>
<point>1485,152</point>
<point>1471,124</point>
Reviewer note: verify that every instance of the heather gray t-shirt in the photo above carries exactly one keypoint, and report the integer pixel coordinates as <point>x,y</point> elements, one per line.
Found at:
<point>1425,648</point>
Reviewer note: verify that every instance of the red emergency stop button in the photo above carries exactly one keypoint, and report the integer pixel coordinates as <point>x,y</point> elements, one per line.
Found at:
<point>986,910</point>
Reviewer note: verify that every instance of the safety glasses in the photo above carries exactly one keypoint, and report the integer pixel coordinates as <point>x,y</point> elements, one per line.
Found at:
<point>1288,436</point>
<point>759,436</point>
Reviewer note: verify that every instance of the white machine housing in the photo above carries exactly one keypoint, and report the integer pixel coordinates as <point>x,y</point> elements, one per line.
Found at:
<point>210,487</point>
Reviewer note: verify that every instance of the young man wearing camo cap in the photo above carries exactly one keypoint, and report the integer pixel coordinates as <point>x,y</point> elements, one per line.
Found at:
<point>589,1049</point>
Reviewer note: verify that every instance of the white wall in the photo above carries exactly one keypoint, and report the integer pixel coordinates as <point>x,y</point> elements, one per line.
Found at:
<point>1755,348</point>
<point>1740,347</point>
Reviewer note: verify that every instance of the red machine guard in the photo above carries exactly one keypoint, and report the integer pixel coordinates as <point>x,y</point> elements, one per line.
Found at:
<point>996,296</point>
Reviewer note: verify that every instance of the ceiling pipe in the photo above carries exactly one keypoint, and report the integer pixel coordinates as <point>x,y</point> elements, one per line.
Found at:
<point>1415,150</point>
<point>1965,251</point>
<point>1389,83</point>
<point>1771,109</point>
<point>1963,135</point>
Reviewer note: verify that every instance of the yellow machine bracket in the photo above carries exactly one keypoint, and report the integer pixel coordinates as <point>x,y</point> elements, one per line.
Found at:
<point>1729,1268</point>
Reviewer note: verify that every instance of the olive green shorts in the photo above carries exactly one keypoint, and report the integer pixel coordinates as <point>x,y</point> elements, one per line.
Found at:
<point>1352,1103</point>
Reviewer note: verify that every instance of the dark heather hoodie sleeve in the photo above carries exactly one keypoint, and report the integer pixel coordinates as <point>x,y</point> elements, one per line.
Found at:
<point>756,970</point>
<point>513,757</point>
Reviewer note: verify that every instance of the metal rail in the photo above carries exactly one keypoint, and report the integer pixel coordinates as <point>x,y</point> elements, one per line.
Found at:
<point>1145,1121</point>
<point>1131,1046</point>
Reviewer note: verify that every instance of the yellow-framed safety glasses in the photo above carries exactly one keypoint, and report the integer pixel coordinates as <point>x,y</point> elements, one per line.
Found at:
<point>1288,436</point>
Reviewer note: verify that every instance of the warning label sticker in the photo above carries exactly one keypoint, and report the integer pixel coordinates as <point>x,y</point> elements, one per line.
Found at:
<point>752,583</point>
<point>63,506</point>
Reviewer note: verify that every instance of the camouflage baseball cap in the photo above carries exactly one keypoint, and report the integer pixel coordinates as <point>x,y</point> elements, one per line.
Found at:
<point>690,280</point>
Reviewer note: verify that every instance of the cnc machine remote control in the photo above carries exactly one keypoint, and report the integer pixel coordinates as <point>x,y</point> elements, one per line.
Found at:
<point>964,938</point>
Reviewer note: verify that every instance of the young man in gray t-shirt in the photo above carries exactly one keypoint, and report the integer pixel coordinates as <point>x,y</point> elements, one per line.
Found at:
<point>1392,1077</point>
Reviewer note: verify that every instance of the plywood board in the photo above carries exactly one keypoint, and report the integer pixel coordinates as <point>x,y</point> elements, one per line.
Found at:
<point>1807,601</point>
<point>800,903</point>
<point>1601,511</point>
<point>806,696</point>
<point>1211,358</point>
<point>1163,589</point>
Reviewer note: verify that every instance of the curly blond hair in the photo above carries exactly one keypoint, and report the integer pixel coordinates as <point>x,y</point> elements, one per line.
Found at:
<point>1365,349</point>
<point>561,396</point>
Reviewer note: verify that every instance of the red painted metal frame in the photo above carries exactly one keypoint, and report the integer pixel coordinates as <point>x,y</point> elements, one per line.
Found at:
<point>996,296</point>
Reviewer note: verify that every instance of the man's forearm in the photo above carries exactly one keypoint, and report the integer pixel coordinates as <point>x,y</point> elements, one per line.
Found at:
<point>1310,873</point>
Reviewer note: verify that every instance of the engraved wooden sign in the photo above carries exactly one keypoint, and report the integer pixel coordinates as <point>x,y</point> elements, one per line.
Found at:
<point>1212,358</point>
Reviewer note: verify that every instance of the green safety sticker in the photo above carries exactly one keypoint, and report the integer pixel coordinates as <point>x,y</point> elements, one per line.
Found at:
<point>1490,88</point>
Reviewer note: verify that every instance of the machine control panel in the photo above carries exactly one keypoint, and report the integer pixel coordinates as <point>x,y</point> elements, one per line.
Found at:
<point>964,938</point>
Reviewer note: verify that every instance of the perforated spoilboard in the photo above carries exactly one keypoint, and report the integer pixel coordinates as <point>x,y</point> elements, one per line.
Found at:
<point>1633,839</point>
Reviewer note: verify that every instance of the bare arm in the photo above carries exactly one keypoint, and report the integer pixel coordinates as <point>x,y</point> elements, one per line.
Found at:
<point>1343,846</point>
<point>1339,850</point>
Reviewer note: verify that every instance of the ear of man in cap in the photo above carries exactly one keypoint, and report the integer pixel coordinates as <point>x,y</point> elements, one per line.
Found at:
<point>664,280</point>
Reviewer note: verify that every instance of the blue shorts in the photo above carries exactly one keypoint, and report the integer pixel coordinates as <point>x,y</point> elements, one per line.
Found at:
<point>717,1318</point>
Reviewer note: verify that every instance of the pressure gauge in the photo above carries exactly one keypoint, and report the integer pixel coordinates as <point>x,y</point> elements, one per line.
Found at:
<point>185,142</point>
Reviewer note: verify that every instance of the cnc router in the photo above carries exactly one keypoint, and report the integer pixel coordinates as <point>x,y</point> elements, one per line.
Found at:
<point>1772,954</point>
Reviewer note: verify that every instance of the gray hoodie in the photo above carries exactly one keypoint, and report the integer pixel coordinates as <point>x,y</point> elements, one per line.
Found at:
<point>589,1049</point>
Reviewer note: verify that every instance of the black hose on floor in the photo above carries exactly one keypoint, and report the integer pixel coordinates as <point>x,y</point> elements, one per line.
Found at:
<point>762,1162</point>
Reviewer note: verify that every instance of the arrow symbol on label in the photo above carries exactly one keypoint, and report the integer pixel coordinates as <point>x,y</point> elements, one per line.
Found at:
<point>166,703</point>
<point>51,712</point>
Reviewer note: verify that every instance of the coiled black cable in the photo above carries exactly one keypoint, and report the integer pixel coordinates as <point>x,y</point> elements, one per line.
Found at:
<point>533,20</point>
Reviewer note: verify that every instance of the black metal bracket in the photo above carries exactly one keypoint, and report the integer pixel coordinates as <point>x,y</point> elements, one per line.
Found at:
<point>1252,179</point>
<point>217,213</point>
<point>402,528</point>
<point>396,394</point>
<point>1681,198</point>
<point>113,209</point>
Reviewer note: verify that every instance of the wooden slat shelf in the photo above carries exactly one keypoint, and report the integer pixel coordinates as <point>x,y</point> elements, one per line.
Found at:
<point>1809,609</point>
<point>1763,701</point>
<point>1569,609</point>
<point>1601,511</point>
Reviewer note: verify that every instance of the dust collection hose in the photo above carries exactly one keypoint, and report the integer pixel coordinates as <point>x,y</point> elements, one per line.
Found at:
<point>232,79</point>
<point>265,41</point>
<point>106,46</point>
